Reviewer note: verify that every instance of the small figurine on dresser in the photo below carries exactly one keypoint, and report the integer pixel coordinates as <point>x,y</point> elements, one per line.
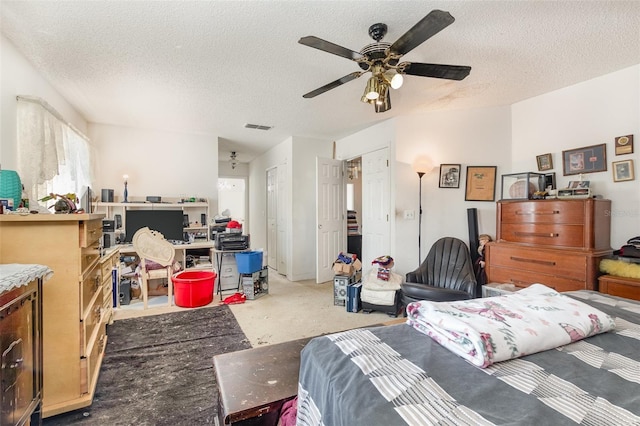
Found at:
<point>478,267</point>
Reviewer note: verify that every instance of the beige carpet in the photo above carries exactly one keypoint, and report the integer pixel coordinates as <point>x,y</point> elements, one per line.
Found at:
<point>291,310</point>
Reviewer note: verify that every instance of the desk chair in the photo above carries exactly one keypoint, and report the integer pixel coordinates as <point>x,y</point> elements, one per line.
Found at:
<point>151,246</point>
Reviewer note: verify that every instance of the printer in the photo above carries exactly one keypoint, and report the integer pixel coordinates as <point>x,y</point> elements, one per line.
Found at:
<point>231,241</point>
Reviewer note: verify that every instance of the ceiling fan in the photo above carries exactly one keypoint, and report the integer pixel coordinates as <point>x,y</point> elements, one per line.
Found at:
<point>382,60</point>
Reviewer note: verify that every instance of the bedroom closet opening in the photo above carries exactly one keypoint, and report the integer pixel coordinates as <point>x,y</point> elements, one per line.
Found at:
<point>354,206</point>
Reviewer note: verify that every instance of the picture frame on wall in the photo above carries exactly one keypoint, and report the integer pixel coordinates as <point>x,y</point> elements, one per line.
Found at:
<point>449,176</point>
<point>590,159</point>
<point>623,170</point>
<point>481,183</point>
<point>545,162</point>
<point>624,145</point>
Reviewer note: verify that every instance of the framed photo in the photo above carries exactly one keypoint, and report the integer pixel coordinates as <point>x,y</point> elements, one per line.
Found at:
<point>624,145</point>
<point>545,162</point>
<point>550,180</point>
<point>589,159</point>
<point>449,176</point>
<point>579,184</point>
<point>481,183</point>
<point>623,170</point>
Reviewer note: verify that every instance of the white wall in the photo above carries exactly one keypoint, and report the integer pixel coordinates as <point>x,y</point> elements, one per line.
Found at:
<point>590,113</point>
<point>169,164</point>
<point>303,237</point>
<point>280,156</point>
<point>298,156</point>
<point>19,77</point>
<point>477,137</point>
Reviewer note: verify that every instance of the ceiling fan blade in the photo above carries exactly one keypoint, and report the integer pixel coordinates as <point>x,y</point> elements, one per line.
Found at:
<point>347,78</point>
<point>430,25</point>
<point>327,46</point>
<point>449,72</point>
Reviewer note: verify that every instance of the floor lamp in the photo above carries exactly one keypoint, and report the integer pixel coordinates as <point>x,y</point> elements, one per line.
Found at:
<point>422,166</point>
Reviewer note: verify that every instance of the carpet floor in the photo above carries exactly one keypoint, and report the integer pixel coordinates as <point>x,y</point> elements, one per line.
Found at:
<point>158,370</point>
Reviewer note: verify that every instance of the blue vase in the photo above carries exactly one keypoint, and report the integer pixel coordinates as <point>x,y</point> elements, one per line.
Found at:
<point>10,186</point>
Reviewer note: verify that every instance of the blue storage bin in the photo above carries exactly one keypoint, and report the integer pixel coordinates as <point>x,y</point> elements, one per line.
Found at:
<point>249,262</point>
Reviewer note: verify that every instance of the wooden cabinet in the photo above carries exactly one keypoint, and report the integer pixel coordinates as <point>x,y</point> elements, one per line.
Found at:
<point>558,243</point>
<point>74,331</point>
<point>628,288</point>
<point>21,343</point>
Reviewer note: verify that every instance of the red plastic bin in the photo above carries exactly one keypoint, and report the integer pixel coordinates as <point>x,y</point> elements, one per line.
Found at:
<point>193,288</point>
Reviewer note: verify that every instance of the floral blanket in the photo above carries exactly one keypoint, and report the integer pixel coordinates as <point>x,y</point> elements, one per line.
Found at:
<point>488,330</point>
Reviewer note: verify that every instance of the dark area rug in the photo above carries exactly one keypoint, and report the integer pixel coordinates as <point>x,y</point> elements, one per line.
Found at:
<point>158,370</point>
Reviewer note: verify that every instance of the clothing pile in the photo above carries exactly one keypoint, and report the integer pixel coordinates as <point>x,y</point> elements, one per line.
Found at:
<point>380,288</point>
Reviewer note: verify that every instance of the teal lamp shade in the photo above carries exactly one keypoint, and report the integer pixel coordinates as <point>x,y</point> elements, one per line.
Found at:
<point>10,186</point>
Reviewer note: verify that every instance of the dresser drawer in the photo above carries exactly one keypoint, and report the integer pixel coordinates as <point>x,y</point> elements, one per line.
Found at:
<point>536,261</point>
<point>89,324</point>
<point>523,279</point>
<point>556,235</point>
<point>90,232</point>
<point>544,211</point>
<point>90,256</point>
<point>90,363</point>
<point>88,288</point>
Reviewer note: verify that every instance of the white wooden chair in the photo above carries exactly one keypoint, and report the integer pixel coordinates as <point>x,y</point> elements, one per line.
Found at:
<point>151,245</point>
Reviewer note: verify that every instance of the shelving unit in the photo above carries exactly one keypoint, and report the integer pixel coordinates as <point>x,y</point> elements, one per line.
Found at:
<point>194,211</point>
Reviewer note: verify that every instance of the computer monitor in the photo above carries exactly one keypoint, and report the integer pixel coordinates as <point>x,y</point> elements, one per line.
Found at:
<point>167,222</point>
<point>86,200</point>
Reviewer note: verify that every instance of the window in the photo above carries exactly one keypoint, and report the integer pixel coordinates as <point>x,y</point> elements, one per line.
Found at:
<point>53,156</point>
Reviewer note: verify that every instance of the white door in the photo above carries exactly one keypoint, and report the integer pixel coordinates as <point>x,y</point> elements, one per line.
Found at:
<point>272,218</point>
<point>330,216</point>
<point>282,203</point>
<point>376,225</point>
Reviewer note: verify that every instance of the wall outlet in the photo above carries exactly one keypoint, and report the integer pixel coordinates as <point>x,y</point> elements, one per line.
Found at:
<point>409,214</point>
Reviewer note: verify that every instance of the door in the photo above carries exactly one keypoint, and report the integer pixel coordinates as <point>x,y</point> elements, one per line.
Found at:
<point>281,226</point>
<point>376,225</point>
<point>330,220</point>
<point>272,218</point>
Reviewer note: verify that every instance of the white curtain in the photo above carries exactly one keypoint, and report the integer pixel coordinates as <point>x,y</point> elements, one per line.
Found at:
<point>52,155</point>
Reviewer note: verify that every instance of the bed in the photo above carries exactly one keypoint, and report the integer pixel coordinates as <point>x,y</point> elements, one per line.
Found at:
<point>397,375</point>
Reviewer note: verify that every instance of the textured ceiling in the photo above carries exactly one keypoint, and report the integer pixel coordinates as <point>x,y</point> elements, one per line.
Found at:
<point>212,66</point>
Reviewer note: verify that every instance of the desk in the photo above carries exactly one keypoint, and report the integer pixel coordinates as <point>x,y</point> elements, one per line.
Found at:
<point>219,255</point>
<point>181,251</point>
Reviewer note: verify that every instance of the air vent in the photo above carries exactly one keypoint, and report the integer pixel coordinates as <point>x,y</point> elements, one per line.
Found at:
<point>257,127</point>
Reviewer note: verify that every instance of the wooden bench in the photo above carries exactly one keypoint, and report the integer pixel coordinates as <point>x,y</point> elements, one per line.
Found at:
<point>253,384</point>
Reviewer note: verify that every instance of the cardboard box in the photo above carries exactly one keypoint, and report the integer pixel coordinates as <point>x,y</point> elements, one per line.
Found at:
<point>347,269</point>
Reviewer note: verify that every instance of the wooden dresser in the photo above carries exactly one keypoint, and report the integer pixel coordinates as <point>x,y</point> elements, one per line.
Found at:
<point>558,243</point>
<point>74,315</point>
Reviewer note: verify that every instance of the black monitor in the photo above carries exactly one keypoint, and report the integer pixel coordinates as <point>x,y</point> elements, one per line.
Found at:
<point>86,201</point>
<point>167,222</point>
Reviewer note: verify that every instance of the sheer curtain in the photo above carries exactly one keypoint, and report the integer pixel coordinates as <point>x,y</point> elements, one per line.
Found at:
<point>53,156</point>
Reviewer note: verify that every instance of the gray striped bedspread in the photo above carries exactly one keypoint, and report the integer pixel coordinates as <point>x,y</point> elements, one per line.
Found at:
<point>395,375</point>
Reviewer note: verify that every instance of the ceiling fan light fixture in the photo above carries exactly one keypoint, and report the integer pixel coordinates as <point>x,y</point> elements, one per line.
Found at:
<point>371,90</point>
<point>383,103</point>
<point>396,81</point>
<point>233,159</point>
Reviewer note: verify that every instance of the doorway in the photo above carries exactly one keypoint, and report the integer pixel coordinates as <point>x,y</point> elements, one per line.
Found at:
<point>354,206</point>
<point>232,196</point>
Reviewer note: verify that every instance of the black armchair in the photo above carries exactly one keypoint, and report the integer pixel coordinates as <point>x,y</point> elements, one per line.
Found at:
<point>445,275</point>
